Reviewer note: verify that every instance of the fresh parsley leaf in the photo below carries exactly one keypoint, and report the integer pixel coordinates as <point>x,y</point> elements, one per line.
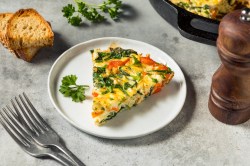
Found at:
<point>69,88</point>
<point>112,7</point>
<point>68,10</point>
<point>76,20</point>
<point>91,11</point>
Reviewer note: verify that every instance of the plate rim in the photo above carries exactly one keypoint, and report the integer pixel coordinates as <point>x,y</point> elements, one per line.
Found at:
<point>184,89</point>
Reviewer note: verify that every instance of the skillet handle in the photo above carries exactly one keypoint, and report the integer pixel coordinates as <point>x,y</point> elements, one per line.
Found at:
<point>188,31</point>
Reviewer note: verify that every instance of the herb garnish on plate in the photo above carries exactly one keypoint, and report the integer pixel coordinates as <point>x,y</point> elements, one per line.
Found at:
<point>69,88</point>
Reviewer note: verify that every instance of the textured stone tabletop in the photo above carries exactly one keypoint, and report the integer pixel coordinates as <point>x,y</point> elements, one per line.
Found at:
<point>194,137</point>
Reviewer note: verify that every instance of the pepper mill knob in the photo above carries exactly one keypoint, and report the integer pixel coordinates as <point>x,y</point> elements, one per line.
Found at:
<point>245,14</point>
<point>229,99</point>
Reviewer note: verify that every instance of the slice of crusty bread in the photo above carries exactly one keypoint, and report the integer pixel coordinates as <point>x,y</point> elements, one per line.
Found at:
<point>27,28</point>
<point>4,17</point>
<point>26,53</point>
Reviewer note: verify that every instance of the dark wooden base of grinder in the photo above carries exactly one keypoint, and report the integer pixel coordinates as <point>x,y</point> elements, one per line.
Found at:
<point>232,116</point>
<point>225,103</point>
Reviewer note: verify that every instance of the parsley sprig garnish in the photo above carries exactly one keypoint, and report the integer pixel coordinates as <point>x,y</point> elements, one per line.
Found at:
<point>69,88</point>
<point>91,11</point>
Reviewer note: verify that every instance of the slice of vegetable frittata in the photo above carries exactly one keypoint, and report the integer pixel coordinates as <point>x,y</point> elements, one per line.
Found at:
<point>122,79</point>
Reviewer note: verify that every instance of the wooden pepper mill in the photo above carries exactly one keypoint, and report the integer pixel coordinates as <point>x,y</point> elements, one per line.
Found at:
<point>229,100</point>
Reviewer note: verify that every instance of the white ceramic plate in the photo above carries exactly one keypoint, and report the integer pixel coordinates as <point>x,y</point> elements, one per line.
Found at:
<point>149,116</point>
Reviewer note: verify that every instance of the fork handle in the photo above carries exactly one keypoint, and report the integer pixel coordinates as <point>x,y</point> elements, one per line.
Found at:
<point>67,152</point>
<point>60,159</point>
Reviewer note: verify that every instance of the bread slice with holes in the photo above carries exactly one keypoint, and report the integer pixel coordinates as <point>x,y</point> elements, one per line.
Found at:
<point>27,28</point>
<point>26,53</point>
<point>4,17</point>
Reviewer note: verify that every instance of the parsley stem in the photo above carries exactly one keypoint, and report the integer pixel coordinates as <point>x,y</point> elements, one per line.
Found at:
<point>88,4</point>
<point>92,12</point>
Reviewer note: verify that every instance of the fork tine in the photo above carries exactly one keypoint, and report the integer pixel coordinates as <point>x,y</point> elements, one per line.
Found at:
<point>26,117</point>
<point>10,133</point>
<point>36,123</point>
<point>29,147</point>
<point>17,123</point>
<point>10,129</point>
<point>39,118</point>
<point>12,112</point>
<point>18,117</point>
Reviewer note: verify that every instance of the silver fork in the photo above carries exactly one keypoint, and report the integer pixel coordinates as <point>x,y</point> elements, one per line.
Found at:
<point>39,130</point>
<point>21,137</point>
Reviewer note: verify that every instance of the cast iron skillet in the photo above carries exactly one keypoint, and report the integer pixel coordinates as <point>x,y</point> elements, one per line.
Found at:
<point>190,25</point>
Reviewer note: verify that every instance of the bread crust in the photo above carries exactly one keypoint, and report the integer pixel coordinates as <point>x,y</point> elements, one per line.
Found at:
<point>26,53</point>
<point>4,17</point>
<point>37,34</point>
<point>21,44</point>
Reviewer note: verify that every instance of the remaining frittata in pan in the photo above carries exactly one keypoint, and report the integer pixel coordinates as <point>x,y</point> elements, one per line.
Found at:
<point>214,9</point>
<point>122,79</point>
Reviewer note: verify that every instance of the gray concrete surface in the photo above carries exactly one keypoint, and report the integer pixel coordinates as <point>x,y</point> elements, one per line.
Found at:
<point>193,138</point>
